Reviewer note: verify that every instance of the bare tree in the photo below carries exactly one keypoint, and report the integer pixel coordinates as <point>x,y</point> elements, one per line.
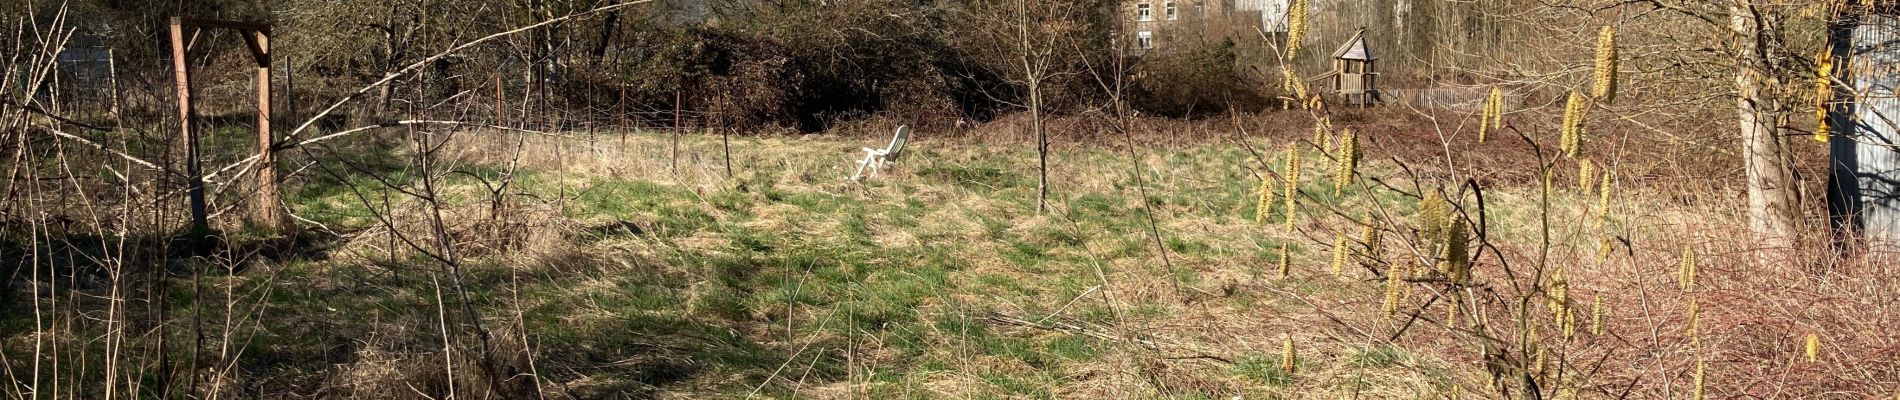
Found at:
<point>1038,35</point>
<point>1773,195</point>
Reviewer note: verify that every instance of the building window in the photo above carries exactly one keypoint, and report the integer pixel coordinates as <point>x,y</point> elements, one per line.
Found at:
<point>1145,40</point>
<point>1173,14</point>
<point>1144,12</point>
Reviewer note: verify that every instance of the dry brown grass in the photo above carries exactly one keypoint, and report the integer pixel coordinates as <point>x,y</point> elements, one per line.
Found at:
<point>1197,323</point>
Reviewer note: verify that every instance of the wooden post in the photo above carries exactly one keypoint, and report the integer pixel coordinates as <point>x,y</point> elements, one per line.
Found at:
<point>677,129</point>
<point>498,100</point>
<point>267,208</point>
<point>290,92</point>
<point>194,178</point>
<point>622,106</point>
<point>725,134</point>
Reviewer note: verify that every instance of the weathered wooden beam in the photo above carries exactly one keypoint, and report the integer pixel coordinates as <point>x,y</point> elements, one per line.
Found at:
<point>218,23</point>
<point>266,209</point>
<point>194,176</point>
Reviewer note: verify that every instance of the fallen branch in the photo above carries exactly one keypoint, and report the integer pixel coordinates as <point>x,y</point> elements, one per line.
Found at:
<point>418,65</point>
<point>101,146</point>
<point>248,162</point>
<point>63,120</point>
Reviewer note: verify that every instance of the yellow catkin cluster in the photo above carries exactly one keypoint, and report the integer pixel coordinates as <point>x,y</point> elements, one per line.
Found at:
<point>1493,118</point>
<point>1394,288</point>
<point>1348,158</point>
<point>1825,8</point>
<point>1700,379</point>
<point>1434,213</point>
<point>1603,203</point>
<point>1695,320</point>
<point>1340,254</point>
<point>1586,175</point>
<point>1292,183</point>
<point>1292,83</point>
<point>1605,88</point>
<point>1604,245</point>
<point>1296,27</point>
<point>1814,347</point>
<point>1458,252</point>
<point>1370,238</point>
<point>1289,357</point>
<point>1596,316</point>
<point>1823,93</point>
<point>1685,275</point>
<point>1286,260</point>
<point>1265,204</point>
<point>1576,109</point>
<point>1322,137</point>
<point>1560,303</point>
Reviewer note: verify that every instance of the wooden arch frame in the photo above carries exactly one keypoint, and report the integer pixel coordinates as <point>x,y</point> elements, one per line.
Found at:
<point>265,209</point>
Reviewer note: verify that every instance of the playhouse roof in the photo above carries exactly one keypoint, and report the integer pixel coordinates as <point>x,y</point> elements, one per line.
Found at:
<point>1355,48</point>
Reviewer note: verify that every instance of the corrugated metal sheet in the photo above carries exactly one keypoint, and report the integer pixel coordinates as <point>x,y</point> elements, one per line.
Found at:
<point>1867,161</point>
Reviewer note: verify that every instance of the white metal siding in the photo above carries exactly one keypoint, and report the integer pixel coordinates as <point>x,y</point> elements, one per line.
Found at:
<point>1865,145</point>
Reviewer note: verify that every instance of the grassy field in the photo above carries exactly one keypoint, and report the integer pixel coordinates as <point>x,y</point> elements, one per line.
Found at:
<point>937,279</point>
<point>600,272</point>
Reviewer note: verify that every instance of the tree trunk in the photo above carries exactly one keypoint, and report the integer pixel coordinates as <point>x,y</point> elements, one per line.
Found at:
<point>1042,144</point>
<point>1035,62</point>
<point>1773,201</point>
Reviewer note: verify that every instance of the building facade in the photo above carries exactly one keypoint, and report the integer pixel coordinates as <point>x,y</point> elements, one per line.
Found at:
<point>1158,25</point>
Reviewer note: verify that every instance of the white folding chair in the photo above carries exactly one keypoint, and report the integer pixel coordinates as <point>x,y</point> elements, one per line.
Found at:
<point>876,158</point>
